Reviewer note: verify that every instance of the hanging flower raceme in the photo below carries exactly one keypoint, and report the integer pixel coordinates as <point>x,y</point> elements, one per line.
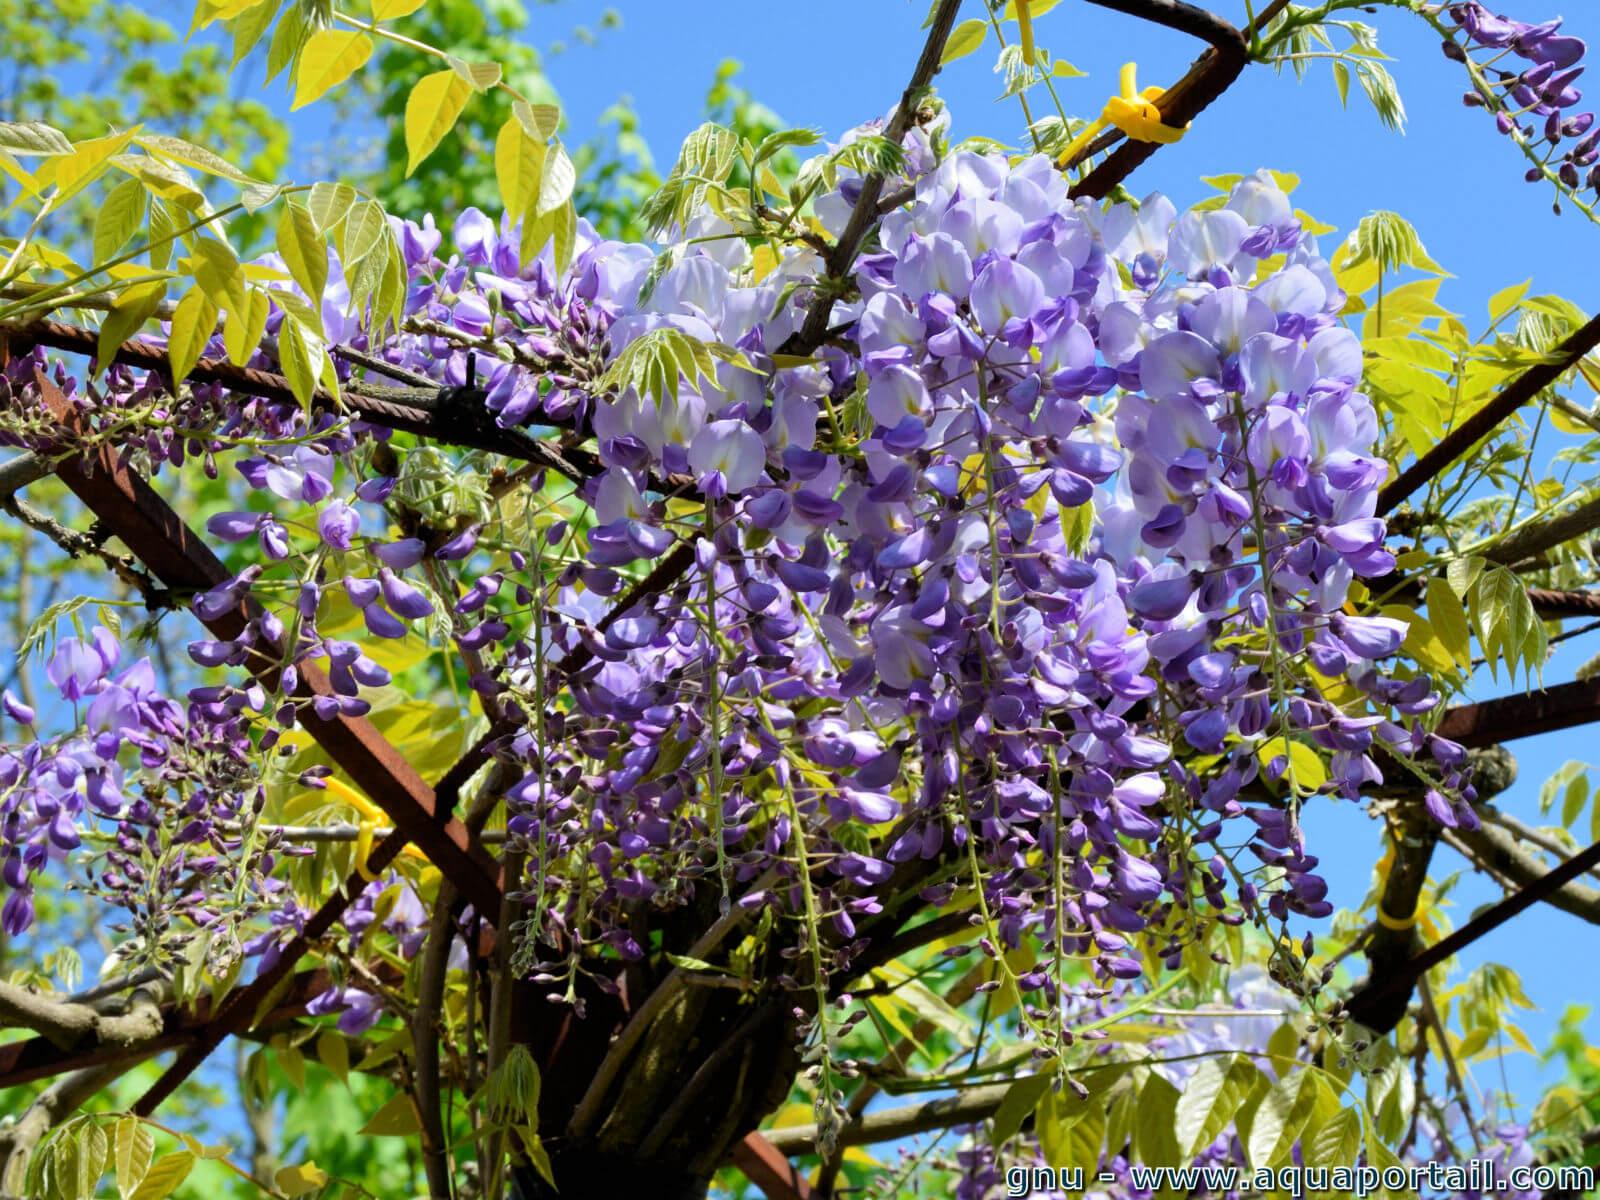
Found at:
<point>1026,591</point>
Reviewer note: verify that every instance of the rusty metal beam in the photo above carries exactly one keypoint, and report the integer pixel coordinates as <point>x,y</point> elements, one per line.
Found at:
<point>1507,718</point>
<point>132,510</point>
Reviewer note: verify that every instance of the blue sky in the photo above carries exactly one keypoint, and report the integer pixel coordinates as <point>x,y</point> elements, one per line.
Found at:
<point>832,63</point>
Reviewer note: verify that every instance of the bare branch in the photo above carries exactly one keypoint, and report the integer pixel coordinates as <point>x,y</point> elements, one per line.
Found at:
<point>73,1026</point>
<point>1486,420</point>
<point>1207,78</point>
<point>975,1104</point>
<point>865,213</point>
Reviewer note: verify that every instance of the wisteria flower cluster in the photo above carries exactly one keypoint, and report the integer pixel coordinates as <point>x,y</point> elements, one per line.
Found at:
<point>1543,92</point>
<point>1030,581</point>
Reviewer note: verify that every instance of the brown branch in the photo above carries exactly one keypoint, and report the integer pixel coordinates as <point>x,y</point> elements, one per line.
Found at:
<point>1486,420</point>
<point>1401,980</point>
<point>426,411</point>
<point>70,1026</point>
<point>865,213</point>
<point>1497,851</point>
<point>1536,537</point>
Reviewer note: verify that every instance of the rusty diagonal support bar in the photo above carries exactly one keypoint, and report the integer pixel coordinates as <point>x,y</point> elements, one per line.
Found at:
<point>135,513</point>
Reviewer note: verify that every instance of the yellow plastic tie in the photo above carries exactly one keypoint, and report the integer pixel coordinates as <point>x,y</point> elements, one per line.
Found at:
<point>1395,923</point>
<point>371,817</point>
<point>364,850</point>
<point>1025,26</point>
<point>1134,112</point>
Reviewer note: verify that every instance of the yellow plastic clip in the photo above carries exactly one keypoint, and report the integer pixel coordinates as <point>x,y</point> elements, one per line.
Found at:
<point>1395,923</point>
<point>1134,112</point>
<point>364,850</point>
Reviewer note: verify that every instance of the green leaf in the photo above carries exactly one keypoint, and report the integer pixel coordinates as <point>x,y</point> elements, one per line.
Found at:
<point>164,1176</point>
<point>329,57</point>
<point>333,1052</point>
<point>389,10</point>
<point>1071,1131</point>
<point>192,326</point>
<point>654,363</point>
<point>1577,795</point>
<point>432,109</point>
<point>288,39</point>
<point>120,217</point>
<point>1283,1113</point>
<point>964,39</point>
<point>301,1180</point>
<point>33,137</point>
<point>249,27</point>
<point>397,1118</point>
<point>1211,1097</point>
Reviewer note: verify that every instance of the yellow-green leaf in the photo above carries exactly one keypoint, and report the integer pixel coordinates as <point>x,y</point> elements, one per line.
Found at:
<point>480,76</point>
<point>300,354</point>
<point>397,1118</point>
<point>178,150</point>
<point>329,57</point>
<point>540,120</point>
<point>389,10</point>
<point>164,1177</point>
<point>243,328</point>
<point>303,251</point>
<point>1449,619</point>
<point>192,326</point>
<point>1210,1099</point>
<point>301,1180</point>
<point>1305,768</point>
<point>555,187</point>
<point>73,172</point>
<point>119,218</point>
<point>431,112</point>
<point>129,312</point>
<point>33,137</point>
<point>1283,1113</point>
<point>559,226</point>
<point>964,39</point>
<point>134,1147</point>
<point>518,167</point>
